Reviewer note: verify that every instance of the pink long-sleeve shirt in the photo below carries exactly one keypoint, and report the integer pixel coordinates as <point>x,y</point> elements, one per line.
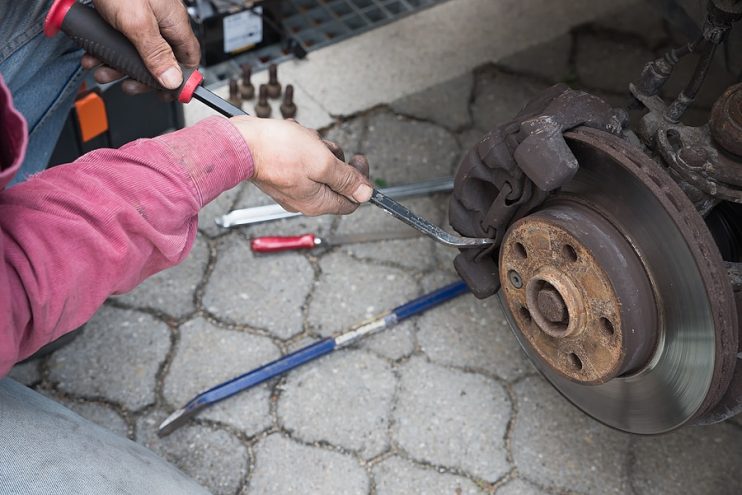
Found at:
<point>77,233</point>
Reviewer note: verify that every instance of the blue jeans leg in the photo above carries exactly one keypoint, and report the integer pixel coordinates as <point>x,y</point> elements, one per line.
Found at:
<point>43,75</point>
<point>46,448</point>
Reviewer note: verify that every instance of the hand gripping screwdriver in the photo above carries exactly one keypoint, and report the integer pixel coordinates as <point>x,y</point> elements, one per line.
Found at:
<point>90,31</point>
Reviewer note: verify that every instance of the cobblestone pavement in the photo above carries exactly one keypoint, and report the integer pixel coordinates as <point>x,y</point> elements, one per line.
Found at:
<point>445,403</point>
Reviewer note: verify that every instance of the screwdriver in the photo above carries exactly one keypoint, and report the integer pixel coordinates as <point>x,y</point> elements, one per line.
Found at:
<point>90,31</point>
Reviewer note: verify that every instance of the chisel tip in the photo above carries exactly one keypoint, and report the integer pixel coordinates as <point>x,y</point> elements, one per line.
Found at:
<point>174,421</point>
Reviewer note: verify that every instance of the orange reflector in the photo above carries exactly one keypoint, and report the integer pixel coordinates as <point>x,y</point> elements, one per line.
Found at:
<point>91,116</point>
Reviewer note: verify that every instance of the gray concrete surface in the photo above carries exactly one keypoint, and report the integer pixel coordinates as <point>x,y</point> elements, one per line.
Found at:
<point>444,404</point>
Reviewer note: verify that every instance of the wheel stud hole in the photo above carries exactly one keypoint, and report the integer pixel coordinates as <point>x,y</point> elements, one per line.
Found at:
<point>575,361</point>
<point>569,253</point>
<point>515,279</point>
<point>520,250</point>
<point>525,314</point>
<point>607,327</point>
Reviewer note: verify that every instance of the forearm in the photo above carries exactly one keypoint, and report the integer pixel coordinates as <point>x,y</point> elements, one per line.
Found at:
<point>77,233</point>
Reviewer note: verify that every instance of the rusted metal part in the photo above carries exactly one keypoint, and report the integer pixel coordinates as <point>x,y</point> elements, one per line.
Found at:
<point>699,242</point>
<point>586,305</point>
<point>274,87</point>
<point>504,177</point>
<point>262,107</point>
<point>726,122</point>
<point>692,155</point>
<point>288,107</point>
<point>234,93</point>
<point>247,88</point>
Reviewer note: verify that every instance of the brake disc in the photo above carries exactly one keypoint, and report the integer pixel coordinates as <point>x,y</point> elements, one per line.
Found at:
<point>634,321</point>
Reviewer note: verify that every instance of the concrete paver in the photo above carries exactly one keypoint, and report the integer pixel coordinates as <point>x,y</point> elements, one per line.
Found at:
<point>519,487</point>
<point>451,418</point>
<point>98,413</point>
<point>350,291</point>
<point>212,457</point>
<point>692,460</point>
<point>499,96</point>
<point>221,205</point>
<point>548,427</point>
<point>284,466</point>
<point>401,151</point>
<point>171,291</point>
<point>446,104</point>
<point>350,395</point>
<point>206,355</point>
<point>243,288</point>
<point>472,334</point>
<point>26,373</point>
<point>396,476</point>
<point>609,64</point>
<point>549,60</point>
<point>116,358</point>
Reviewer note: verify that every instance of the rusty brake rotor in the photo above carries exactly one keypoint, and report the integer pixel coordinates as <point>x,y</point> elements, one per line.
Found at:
<point>615,289</point>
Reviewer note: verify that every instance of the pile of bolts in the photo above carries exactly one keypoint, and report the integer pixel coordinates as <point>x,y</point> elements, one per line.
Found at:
<point>239,92</point>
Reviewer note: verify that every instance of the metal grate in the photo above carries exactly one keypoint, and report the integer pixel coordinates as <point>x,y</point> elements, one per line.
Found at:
<point>316,24</point>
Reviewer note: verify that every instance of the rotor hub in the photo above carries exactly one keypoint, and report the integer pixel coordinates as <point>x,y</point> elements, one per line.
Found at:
<point>584,302</point>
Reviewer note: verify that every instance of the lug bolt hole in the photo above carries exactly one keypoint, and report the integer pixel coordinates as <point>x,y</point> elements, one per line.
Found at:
<point>606,326</point>
<point>525,314</point>
<point>520,250</point>
<point>575,361</point>
<point>569,253</point>
<point>515,279</point>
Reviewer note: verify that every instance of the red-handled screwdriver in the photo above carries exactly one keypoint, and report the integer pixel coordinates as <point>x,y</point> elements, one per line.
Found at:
<point>274,244</point>
<point>90,31</point>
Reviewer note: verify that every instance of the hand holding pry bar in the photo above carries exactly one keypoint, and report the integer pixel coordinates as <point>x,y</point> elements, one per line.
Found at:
<point>90,31</point>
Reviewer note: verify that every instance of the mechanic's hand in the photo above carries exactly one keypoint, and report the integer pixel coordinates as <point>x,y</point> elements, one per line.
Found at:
<point>302,172</point>
<point>160,31</point>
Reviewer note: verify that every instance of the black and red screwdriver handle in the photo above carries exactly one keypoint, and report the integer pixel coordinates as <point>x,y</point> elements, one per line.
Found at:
<point>90,31</point>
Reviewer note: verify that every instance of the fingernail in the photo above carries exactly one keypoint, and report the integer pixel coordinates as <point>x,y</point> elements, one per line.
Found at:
<point>363,193</point>
<point>171,78</point>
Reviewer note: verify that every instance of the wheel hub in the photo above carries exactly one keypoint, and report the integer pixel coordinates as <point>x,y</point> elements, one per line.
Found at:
<point>585,304</point>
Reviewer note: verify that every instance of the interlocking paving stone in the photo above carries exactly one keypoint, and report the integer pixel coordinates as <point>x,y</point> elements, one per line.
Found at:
<point>26,373</point>
<point>445,104</point>
<point>171,291</point>
<point>519,487</point>
<point>642,19</point>
<point>500,96</point>
<point>249,289</point>
<point>351,291</point>
<point>555,444</point>
<point>400,150</point>
<point>99,414</point>
<point>416,254</point>
<point>393,343</point>
<point>396,476</point>
<point>549,60</point>
<point>116,358</point>
<point>220,206</point>
<point>608,64</point>
<point>213,458</point>
<point>285,467</point>
<point>451,418</point>
<point>692,460</point>
<point>206,356</point>
<point>348,135</point>
<point>349,395</point>
<point>473,334</point>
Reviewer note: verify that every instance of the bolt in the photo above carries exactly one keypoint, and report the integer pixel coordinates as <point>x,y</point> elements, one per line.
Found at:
<point>274,87</point>
<point>262,108</point>
<point>515,279</point>
<point>288,108</point>
<point>551,305</point>
<point>247,90</point>
<point>234,92</point>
